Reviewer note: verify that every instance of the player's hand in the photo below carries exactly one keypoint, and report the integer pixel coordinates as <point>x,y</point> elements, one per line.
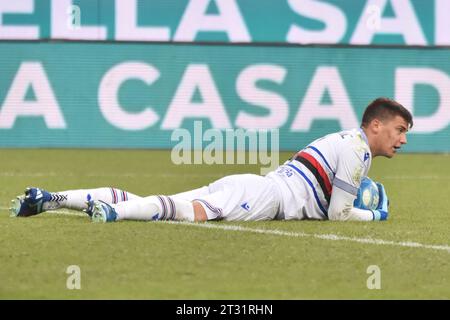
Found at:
<point>381,213</point>
<point>383,203</point>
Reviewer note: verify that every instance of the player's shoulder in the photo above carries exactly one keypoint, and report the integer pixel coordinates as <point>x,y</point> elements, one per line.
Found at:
<point>344,141</point>
<point>354,137</point>
<point>354,140</point>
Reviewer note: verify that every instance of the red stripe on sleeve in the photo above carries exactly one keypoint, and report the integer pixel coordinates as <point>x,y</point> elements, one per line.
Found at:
<point>319,168</point>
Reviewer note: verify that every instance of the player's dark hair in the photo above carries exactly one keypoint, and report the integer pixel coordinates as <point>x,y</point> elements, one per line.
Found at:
<point>384,109</point>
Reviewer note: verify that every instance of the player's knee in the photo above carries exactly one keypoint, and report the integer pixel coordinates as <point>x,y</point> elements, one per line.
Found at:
<point>199,212</point>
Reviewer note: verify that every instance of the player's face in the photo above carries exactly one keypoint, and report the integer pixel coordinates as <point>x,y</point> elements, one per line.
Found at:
<point>393,135</point>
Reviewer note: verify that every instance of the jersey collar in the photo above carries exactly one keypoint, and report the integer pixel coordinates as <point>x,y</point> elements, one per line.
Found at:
<point>364,136</point>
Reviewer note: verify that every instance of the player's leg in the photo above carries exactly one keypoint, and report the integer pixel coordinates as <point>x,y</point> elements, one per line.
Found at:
<point>36,200</point>
<point>160,207</point>
<point>149,208</point>
<point>76,199</point>
<point>245,197</point>
<point>238,197</point>
<point>199,211</point>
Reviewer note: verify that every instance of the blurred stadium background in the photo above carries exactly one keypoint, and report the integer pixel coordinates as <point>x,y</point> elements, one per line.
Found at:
<point>124,74</point>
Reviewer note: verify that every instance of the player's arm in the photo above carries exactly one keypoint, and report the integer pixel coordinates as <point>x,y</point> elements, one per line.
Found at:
<point>341,207</point>
<point>350,169</point>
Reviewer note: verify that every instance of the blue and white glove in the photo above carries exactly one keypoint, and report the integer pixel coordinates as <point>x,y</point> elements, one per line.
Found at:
<point>381,213</point>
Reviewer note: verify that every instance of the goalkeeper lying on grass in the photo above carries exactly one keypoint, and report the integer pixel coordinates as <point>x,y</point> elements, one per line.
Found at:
<point>319,182</point>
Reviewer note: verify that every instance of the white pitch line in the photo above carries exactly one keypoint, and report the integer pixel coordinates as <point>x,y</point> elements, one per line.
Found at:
<point>70,213</point>
<point>332,237</point>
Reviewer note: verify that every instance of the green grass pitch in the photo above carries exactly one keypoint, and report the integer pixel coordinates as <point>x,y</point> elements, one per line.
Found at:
<point>157,260</point>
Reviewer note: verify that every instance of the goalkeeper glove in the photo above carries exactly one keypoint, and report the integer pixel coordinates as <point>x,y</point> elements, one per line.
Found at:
<point>381,213</point>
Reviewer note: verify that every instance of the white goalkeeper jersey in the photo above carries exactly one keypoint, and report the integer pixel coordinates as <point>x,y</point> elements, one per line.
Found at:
<point>307,180</point>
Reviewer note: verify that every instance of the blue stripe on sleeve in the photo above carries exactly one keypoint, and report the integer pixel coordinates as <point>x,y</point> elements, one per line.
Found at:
<point>312,187</point>
<point>321,155</point>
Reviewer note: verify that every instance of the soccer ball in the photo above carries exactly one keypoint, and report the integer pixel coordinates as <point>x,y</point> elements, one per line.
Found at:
<point>368,195</point>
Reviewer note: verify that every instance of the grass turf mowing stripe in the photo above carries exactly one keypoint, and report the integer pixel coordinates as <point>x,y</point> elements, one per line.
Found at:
<point>332,237</point>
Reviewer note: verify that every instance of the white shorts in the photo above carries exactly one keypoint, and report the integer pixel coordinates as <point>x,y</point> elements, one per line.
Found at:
<point>239,197</point>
